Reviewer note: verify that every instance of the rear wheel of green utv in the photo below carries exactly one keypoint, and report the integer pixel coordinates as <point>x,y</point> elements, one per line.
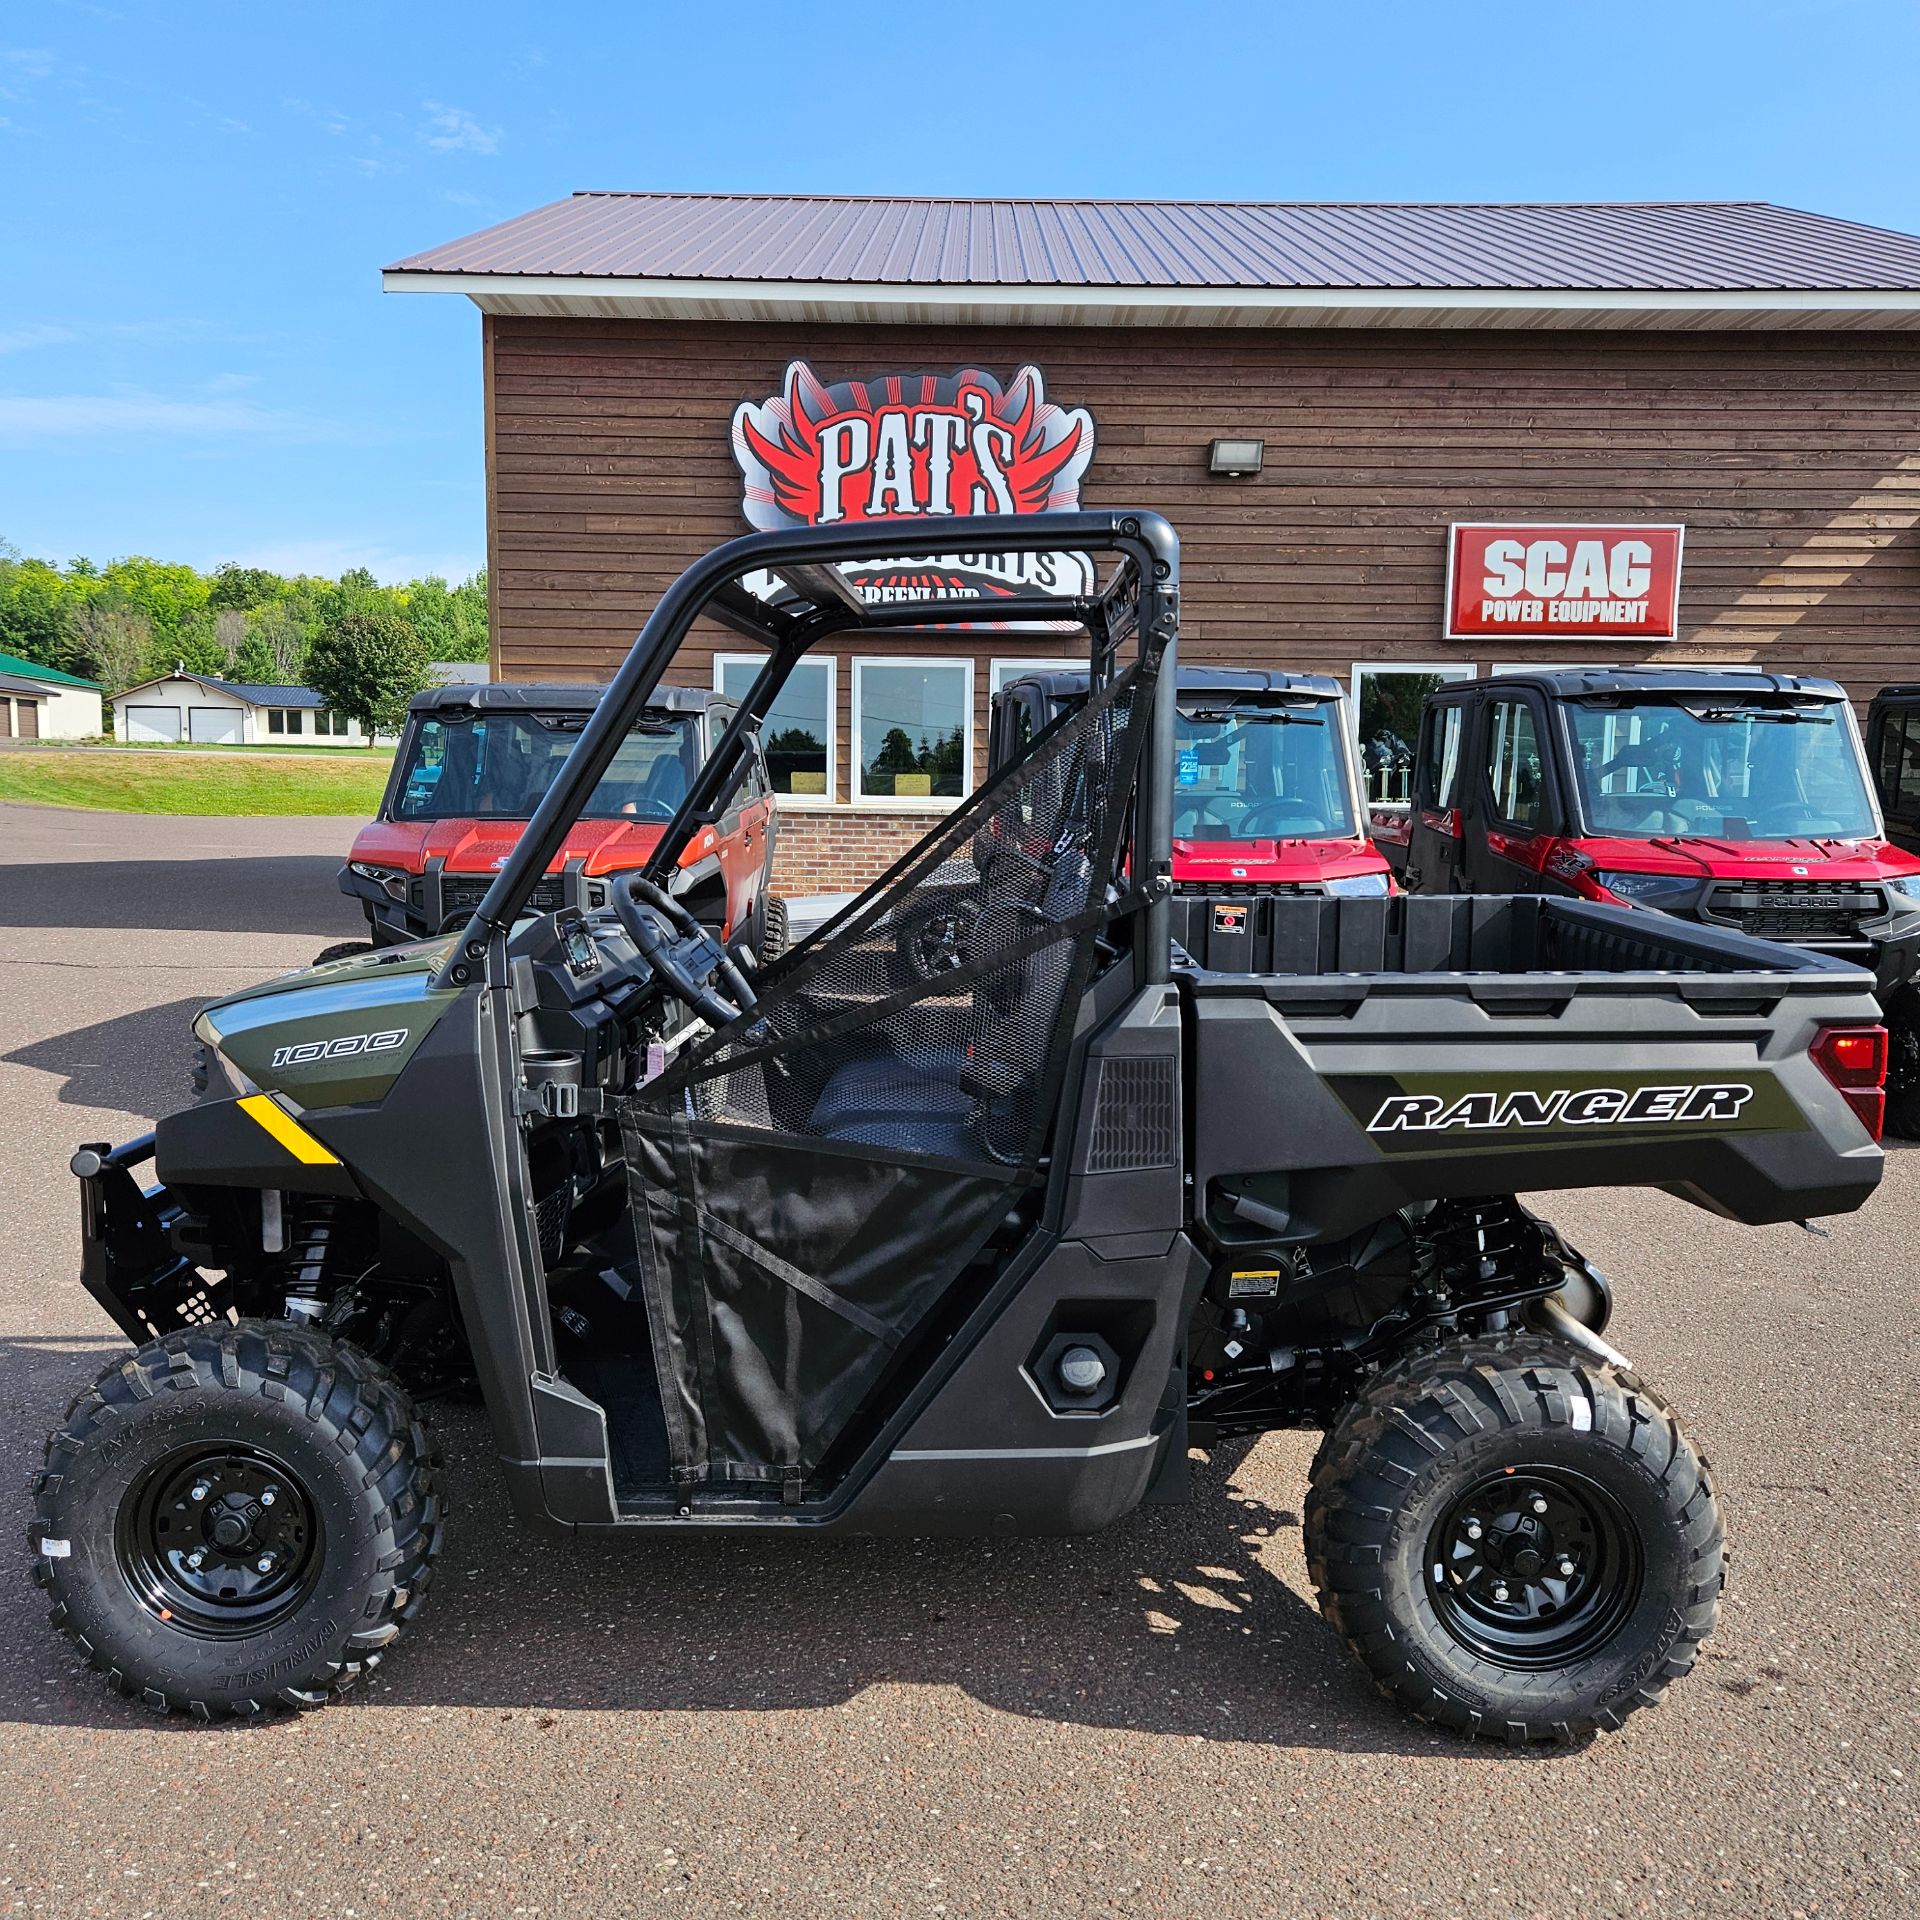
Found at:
<point>237,1517</point>
<point>1516,1541</point>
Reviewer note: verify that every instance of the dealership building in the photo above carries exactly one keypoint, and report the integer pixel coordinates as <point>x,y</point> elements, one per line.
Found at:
<point>1401,443</point>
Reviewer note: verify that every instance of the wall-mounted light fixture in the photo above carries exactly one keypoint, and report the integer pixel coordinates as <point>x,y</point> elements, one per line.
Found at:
<point>1236,458</point>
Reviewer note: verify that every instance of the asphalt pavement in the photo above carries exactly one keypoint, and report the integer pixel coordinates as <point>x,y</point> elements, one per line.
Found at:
<point>1153,1721</point>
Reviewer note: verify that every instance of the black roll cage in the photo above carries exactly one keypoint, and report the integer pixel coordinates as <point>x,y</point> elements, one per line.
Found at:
<point>1140,601</point>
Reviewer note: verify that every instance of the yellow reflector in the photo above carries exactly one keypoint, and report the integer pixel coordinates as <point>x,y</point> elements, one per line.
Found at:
<point>275,1119</point>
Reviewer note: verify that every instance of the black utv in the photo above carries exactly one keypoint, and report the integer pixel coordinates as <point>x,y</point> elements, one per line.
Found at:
<point>828,1251</point>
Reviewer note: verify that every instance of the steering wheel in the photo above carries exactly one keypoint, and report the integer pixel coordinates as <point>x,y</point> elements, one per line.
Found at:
<point>1298,816</point>
<point>682,952</point>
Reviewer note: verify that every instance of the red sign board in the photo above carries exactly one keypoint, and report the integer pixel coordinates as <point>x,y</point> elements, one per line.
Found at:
<point>1563,582</point>
<point>910,449</point>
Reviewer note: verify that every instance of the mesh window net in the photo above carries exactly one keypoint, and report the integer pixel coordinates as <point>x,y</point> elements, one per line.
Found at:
<point>809,1183</point>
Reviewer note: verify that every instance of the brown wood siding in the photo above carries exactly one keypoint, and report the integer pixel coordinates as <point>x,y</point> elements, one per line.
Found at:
<point>1793,460</point>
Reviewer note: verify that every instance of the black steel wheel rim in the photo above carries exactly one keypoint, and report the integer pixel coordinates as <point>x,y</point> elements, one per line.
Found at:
<point>220,1542</point>
<point>1534,1567</point>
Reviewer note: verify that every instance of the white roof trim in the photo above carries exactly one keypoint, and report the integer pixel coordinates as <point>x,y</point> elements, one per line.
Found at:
<point>607,295</point>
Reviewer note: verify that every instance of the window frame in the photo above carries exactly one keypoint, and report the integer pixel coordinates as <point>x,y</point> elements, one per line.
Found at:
<point>816,802</point>
<point>933,803</point>
<point>1548,819</point>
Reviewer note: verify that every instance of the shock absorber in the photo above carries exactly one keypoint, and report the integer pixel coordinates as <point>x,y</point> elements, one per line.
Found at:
<point>311,1233</point>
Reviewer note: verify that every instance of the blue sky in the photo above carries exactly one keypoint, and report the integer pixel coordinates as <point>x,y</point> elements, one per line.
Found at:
<point>197,362</point>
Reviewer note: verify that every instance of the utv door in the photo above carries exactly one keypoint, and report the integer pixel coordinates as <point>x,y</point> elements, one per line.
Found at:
<point>1511,810</point>
<point>1434,849</point>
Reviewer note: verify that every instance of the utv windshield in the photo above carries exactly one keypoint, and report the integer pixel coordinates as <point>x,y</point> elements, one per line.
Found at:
<point>1254,770</point>
<point>496,766</point>
<point>1722,767</point>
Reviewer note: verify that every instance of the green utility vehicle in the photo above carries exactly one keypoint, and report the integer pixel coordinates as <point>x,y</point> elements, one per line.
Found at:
<point>830,1250</point>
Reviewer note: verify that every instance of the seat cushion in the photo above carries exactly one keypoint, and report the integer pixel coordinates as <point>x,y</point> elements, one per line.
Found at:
<point>883,1101</point>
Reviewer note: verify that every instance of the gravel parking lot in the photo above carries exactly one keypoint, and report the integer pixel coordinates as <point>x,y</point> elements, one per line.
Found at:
<point>1152,1721</point>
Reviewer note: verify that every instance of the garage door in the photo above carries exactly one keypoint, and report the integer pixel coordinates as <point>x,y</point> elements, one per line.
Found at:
<point>153,723</point>
<point>215,725</point>
<point>29,718</point>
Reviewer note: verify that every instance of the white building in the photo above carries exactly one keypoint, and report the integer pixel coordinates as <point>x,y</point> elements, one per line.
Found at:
<point>42,703</point>
<point>185,706</point>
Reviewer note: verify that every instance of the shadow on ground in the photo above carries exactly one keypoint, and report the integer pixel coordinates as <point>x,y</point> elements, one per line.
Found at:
<point>244,893</point>
<point>1173,1622</point>
<point>135,1063</point>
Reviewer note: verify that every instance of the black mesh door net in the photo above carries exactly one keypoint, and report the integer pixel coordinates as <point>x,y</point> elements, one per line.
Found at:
<point>808,1184</point>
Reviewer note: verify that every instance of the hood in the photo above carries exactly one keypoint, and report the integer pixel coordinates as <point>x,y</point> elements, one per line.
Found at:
<point>482,846</point>
<point>1274,860</point>
<point>332,1035</point>
<point>1707,857</point>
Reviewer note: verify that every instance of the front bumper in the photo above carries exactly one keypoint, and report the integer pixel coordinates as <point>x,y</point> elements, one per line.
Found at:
<point>437,900</point>
<point>129,1261</point>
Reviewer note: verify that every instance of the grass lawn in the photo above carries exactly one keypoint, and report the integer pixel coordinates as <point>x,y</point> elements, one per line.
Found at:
<point>166,783</point>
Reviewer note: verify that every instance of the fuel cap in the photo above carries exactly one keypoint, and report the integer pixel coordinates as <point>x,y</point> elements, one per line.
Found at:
<point>1082,1370</point>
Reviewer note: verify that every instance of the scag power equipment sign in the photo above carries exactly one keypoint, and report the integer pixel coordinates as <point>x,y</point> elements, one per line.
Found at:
<point>1563,582</point>
<point>912,447</point>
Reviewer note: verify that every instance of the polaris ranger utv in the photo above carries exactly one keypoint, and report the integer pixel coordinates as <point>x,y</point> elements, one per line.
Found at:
<point>1735,799</point>
<point>818,1251</point>
<point>471,767</point>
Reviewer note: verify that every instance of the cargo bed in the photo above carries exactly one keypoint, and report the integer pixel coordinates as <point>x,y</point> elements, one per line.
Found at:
<point>1423,1047</point>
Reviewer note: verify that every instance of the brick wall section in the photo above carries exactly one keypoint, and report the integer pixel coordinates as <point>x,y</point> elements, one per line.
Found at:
<point>819,852</point>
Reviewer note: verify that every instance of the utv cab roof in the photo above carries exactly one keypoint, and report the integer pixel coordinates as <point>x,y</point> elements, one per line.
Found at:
<point>1575,683</point>
<point>1065,685</point>
<point>541,697</point>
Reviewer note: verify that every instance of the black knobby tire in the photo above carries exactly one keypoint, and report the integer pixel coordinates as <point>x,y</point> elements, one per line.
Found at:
<point>776,933</point>
<point>231,1411</point>
<point>1501,1423</point>
<point>342,950</point>
<point>1903,1066</point>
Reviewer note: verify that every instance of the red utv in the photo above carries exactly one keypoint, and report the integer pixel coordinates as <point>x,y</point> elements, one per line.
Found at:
<point>474,762</point>
<point>1266,800</point>
<point>1738,799</point>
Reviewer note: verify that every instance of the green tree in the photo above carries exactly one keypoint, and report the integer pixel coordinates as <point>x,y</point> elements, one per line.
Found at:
<point>113,643</point>
<point>169,595</point>
<point>243,588</point>
<point>368,665</point>
<point>36,602</point>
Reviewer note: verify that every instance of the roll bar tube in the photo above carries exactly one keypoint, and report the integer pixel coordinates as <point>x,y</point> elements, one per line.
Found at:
<point>1144,537</point>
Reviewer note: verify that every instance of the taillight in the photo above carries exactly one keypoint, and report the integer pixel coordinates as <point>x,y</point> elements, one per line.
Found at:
<point>1855,1060</point>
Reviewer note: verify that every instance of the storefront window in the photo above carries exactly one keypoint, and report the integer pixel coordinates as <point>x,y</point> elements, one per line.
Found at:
<point>1386,715</point>
<point>912,729</point>
<point>797,734</point>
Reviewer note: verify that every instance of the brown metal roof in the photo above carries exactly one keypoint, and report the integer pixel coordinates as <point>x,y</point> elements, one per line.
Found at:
<point>1668,246</point>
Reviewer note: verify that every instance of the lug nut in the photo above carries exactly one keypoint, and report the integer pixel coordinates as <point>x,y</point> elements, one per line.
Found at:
<point>1566,1565</point>
<point>265,1563</point>
<point>201,1491</point>
<point>196,1558</point>
<point>1474,1529</point>
<point>1538,1504</point>
<point>269,1496</point>
<point>1499,1593</point>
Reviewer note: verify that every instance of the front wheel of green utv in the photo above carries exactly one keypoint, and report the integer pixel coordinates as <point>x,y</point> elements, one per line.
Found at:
<point>1515,1540</point>
<point>237,1517</point>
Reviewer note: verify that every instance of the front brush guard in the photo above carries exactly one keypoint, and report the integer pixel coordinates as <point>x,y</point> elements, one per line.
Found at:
<point>128,1260</point>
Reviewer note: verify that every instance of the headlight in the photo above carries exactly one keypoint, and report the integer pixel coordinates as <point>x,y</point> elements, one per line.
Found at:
<point>1360,884</point>
<point>1905,883</point>
<point>390,881</point>
<point>1650,889</point>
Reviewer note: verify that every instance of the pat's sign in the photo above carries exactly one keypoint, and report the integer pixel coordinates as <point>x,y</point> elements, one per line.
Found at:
<point>1559,582</point>
<point>912,448</point>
